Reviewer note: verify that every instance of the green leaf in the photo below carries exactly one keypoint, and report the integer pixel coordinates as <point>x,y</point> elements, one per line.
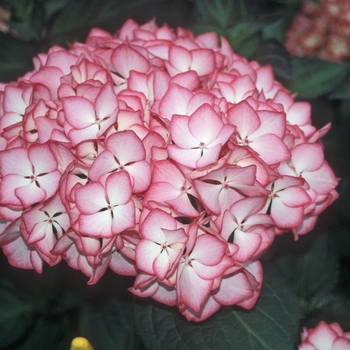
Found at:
<point>245,45</point>
<point>21,10</point>
<point>313,77</point>
<point>46,333</point>
<point>15,57</point>
<point>311,272</point>
<point>27,18</point>
<point>223,14</point>
<point>343,90</point>
<point>274,53</point>
<point>277,29</point>
<point>331,307</point>
<point>272,324</point>
<point>16,316</point>
<point>78,17</point>
<point>109,325</point>
<point>54,6</point>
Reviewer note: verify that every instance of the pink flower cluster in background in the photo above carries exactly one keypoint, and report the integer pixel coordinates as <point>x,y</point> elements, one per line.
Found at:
<point>321,30</point>
<point>160,155</point>
<point>325,337</point>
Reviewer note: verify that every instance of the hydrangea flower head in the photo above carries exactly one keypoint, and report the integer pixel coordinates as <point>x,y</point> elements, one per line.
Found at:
<point>159,155</point>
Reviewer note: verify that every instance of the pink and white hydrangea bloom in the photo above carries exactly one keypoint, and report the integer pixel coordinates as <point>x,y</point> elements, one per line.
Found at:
<point>28,175</point>
<point>199,138</point>
<point>124,151</point>
<point>160,155</point>
<point>198,270</point>
<point>161,244</point>
<point>105,209</point>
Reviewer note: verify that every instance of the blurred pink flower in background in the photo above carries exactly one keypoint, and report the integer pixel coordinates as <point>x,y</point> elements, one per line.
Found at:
<point>321,30</point>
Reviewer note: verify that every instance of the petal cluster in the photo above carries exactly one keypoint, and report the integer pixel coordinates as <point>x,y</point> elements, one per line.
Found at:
<point>325,337</point>
<point>159,155</point>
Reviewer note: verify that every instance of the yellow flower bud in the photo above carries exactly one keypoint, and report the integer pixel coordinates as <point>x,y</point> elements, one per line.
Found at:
<point>80,343</point>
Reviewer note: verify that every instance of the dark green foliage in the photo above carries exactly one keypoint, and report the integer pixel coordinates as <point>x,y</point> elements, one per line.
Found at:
<point>273,324</point>
<point>313,77</point>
